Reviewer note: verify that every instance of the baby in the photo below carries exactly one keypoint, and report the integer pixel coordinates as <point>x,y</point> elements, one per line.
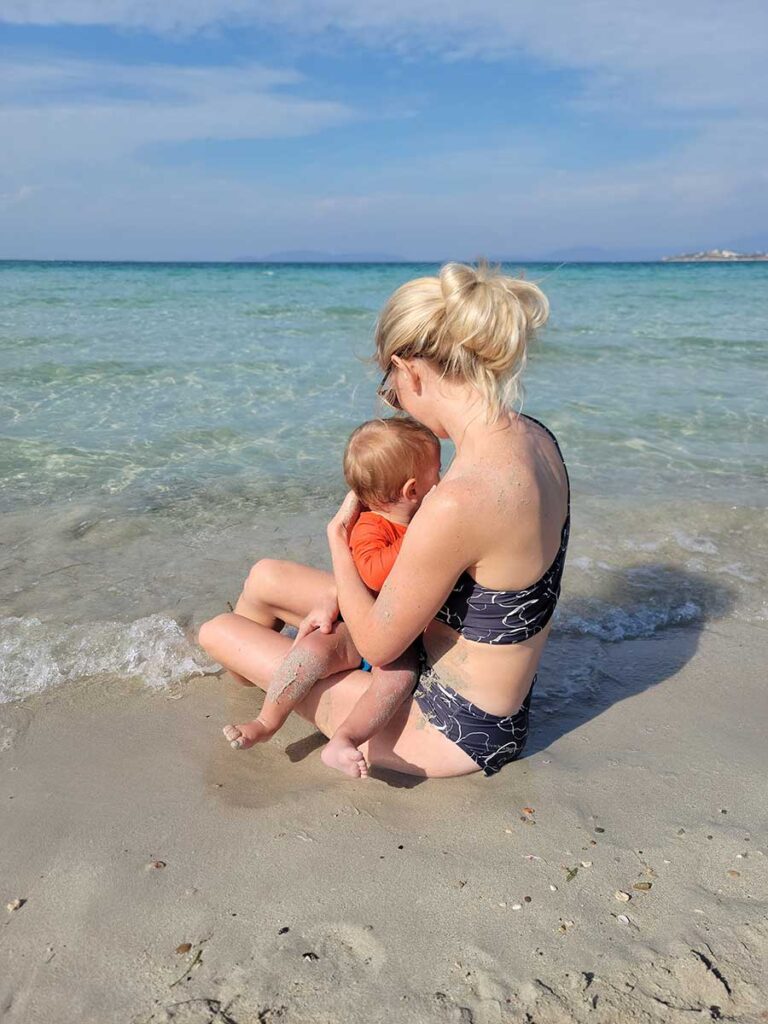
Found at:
<point>391,465</point>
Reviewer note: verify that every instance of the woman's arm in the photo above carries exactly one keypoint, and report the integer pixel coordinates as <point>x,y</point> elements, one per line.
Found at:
<point>438,546</point>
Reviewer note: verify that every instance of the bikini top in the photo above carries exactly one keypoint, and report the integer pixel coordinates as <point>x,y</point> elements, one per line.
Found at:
<point>508,616</point>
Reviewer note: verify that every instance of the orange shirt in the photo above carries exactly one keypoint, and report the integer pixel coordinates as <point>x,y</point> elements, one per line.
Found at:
<point>375,543</point>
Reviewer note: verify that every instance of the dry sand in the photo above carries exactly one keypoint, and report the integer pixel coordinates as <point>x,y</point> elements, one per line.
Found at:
<point>306,897</point>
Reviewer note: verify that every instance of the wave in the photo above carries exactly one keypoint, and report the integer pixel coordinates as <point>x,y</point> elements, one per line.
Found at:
<point>36,656</point>
<point>613,624</point>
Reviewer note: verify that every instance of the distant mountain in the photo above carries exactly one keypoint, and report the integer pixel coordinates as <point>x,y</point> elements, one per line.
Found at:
<point>597,254</point>
<point>582,253</point>
<point>317,256</point>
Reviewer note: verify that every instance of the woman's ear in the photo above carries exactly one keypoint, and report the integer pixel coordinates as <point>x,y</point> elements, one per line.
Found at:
<point>409,491</point>
<point>412,369</point>
<point>414,373</point>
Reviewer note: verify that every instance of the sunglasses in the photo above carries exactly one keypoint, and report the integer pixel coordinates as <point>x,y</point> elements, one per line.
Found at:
<point>388,394</point>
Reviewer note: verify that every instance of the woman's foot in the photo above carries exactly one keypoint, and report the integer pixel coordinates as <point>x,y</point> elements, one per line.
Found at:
<point>241,737</point>
<point>342,754</point>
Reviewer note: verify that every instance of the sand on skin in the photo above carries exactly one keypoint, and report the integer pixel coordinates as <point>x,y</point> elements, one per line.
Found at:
<point>305,897</point>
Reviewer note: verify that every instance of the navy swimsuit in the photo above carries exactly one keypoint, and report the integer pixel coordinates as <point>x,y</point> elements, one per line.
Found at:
<point>491,617</point>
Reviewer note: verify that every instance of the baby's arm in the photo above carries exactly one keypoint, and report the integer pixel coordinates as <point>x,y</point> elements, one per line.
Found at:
<point>374,555</point>
<point>389,686</point>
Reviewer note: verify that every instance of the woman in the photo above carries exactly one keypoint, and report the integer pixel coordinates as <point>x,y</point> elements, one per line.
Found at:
<point>478,575</point>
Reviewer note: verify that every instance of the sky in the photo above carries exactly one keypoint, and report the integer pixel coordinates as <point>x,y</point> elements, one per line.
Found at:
<point>225,129</point>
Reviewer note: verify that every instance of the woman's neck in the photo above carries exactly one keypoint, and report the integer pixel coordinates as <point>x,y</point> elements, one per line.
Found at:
<point>466,423</point>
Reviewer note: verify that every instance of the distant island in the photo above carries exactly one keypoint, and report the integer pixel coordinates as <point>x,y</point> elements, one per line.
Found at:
<point>716,256</point>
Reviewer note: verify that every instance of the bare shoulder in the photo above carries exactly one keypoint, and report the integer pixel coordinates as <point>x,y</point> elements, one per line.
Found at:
<point>455,499</point>
<point>500,480</point>
<point>461,511</point>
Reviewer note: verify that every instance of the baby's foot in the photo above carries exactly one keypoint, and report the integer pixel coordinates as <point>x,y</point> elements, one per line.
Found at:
<point>241,737</point>
<point>342,754</point>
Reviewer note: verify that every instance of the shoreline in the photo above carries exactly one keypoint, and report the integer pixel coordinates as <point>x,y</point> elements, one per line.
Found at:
<point>87,593</point>
<point>306,897</point>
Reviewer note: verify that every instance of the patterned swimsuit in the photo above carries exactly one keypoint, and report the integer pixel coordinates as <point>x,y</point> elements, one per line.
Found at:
<point>491,617</point>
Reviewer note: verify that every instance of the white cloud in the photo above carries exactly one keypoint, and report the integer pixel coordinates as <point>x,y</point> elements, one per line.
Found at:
<point>90,113</point>
<point>686,54</point>
<point>34,81</point>
<point>80,131</point>
<point>19,195</point>
<point>158,213</point>
<point>76,127</point>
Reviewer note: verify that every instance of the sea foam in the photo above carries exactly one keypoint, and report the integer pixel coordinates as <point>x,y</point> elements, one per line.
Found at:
<point>613,624</point>
<point>35,656</point>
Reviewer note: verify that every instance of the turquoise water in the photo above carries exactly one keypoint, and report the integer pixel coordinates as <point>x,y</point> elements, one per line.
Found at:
<point>161,426</point>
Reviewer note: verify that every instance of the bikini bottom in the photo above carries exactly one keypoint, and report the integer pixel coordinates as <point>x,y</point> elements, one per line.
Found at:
<point>490,740</point>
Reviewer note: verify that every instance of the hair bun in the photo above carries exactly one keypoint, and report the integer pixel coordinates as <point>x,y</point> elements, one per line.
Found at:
<point>490,314</point>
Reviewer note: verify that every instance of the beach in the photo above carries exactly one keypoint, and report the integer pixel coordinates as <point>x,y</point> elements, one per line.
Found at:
<point>166,877</point>
<point>165,426</point>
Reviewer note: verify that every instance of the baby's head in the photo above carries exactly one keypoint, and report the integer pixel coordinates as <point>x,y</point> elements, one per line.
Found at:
<point>392,464</point>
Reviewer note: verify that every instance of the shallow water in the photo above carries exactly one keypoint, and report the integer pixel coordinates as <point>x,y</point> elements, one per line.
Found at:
<point>163,426</point>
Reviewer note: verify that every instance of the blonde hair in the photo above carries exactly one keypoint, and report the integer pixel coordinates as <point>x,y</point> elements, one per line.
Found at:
<point>474,323</point>
<point>381,455</point>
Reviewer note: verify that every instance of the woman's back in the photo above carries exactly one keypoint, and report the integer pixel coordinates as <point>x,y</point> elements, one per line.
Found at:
<point>487,639</point>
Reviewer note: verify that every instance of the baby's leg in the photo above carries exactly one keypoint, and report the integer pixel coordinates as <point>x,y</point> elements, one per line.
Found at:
<point>316,656</point>
<point>389,687</point>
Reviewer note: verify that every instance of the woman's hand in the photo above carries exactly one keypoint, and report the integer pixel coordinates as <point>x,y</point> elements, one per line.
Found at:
<point>349,512</point>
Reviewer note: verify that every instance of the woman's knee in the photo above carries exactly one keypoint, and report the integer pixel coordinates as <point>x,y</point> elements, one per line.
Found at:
<point>210,634</point>
<point>263,581</point>
<point>335,649</point>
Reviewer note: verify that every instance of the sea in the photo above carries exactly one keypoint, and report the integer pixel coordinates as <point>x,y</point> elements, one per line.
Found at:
<point>164,426</point>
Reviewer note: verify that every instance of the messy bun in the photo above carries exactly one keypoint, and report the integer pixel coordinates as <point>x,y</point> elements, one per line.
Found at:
<point>473,322</point>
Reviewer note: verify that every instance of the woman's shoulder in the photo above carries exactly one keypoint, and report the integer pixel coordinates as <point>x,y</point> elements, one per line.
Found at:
<point>450,495</point>
<point>462,502</point>
<point>507,486</point>
<point>498,480</point>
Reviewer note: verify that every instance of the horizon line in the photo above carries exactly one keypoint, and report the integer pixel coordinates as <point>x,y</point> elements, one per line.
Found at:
<point>340,262</point>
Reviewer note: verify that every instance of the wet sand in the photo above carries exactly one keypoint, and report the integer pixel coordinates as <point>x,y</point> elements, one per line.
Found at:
<point>166,877</point>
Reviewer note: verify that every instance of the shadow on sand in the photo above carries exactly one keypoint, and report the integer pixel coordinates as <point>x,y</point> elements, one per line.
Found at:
<point>578,676</point>
<point>656,613</point>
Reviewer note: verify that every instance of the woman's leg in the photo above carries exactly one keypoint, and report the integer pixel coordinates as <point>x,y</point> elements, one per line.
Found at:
<point>407,743</point>
<point>278,591</point>
<point>316,656</point>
